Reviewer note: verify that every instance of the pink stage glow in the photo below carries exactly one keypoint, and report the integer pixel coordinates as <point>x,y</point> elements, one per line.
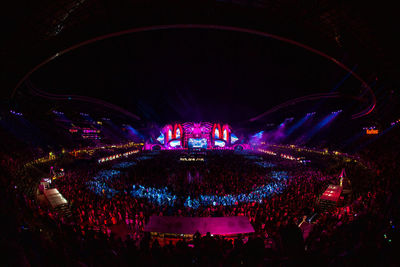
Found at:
<point>199,135</point>
<point>190,225</point>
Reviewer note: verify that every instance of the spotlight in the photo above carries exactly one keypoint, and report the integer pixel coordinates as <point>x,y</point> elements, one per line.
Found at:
<point>395,122</point>
<point>15,113</point>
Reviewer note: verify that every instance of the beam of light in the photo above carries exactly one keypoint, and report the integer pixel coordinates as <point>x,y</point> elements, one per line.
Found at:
<point>21,128</point>
<point>61,116</point>
<point>256,138</point>
<point>298,124</point>
<point>86,116</point>
<point>354,138</point>
<point>258,135</point>
<point>328,119</point>
<point>279,133</point>
<point>348,74</point>
<point>112,130</point>
<point>133,132</point>
<point>360,114</point>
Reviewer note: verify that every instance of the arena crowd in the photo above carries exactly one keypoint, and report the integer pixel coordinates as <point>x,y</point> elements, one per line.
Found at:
<point>290,229</point>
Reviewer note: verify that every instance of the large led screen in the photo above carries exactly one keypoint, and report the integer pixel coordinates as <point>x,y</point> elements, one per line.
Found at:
<point>175,143</point>
<point>197,142</point>
<point>219,143</point>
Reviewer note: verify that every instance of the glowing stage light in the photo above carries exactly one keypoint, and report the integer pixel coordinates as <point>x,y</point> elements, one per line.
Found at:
<point>234,138</point>
<point>225,135</point>
<point>258,135</point>
<point>216,133</point>
<point>175,143</point>
<point>219,143</point>
<point>15,113</point>
<point>169,134</point>
<point>161,138</point>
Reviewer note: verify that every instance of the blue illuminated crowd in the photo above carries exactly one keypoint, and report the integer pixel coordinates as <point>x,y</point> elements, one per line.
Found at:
<point>100,183</point>
<point>257,195</point>
<point>158,196</point>
<point>124,165</point>
<point>265,164</point>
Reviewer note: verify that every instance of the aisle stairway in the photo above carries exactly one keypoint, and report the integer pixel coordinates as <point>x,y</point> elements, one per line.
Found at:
<point>64,211</point>
<point>326,205</point>
<point>58,203</point>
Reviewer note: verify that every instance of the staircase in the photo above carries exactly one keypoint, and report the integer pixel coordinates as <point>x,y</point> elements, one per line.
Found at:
<point>326,205</point>
<point>64,211</point>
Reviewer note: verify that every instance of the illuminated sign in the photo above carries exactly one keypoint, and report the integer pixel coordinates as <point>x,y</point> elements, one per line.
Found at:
<point>191,159</point>
<point>372,131</point>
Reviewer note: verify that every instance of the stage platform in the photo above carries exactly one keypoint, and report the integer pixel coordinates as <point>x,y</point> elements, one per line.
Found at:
<point>190,225</point>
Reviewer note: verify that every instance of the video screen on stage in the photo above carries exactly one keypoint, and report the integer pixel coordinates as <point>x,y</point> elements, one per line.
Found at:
<point>175,143</point>
<point>197,142</point>
<point>219,143</point>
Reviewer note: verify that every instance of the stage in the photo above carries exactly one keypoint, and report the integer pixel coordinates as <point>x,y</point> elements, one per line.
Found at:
<point>188,226</point>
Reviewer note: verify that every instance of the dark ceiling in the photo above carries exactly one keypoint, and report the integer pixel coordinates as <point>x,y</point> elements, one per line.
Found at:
<point>190,72</point>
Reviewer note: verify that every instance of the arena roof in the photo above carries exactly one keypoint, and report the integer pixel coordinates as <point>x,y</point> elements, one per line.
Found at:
<point>355,33</point>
